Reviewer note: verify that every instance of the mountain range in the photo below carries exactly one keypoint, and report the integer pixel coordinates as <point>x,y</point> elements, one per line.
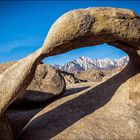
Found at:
<point>86,63</point>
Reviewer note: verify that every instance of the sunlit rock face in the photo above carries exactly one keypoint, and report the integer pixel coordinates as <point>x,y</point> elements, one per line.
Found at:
<point>108,111</point>
<point>47,83</point>
<point>92,26</point>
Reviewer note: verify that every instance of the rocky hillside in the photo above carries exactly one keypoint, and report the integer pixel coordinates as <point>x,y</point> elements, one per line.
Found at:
<point>90,75</point>
<point>85,63</point>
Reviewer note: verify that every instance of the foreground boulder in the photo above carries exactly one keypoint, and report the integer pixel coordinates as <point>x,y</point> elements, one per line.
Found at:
<point>46,84</point>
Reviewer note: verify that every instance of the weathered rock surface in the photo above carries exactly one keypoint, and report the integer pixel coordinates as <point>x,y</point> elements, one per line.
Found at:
<point>5,129</point>
<point>92,26</point>
<point>70,78</point>
<point>5,66</point>
<point>114,103</point>
<point>15,80</point>
<point>20,116</point>
<point>90,75</point>
<point>46,84</point>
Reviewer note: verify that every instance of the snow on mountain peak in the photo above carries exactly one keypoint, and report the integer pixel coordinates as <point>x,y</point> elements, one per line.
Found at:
<point>85,63</point>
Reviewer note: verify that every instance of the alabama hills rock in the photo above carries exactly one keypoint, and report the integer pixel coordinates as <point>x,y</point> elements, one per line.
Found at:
<point>4,66</point>
<point>46,84</point>
<point>90,75</point>
<point>113,107</point>
<point>106,111</point>
<point>93,75</point>
<point>5,129</point>
<point>96,112</point>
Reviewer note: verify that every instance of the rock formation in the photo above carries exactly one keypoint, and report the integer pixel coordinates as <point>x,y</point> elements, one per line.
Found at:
<point>81,28</point>
<point>14,81</point>
<point>70,78</point>
<point>5,66</point>
<point>5,129</point>
<point>90,75</point>
<point>102,112</point>
<point>46,84</point>
<point>92,26</point>
<point>110,110</point>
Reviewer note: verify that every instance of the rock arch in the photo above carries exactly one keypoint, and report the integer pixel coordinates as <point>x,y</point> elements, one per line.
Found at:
<point>80,28</point>
<point>93,26</point>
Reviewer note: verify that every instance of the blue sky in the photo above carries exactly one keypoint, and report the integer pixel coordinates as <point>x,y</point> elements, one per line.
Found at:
<point>24,26</point>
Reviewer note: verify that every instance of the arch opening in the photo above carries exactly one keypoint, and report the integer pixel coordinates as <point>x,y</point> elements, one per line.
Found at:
<point>89,65</point>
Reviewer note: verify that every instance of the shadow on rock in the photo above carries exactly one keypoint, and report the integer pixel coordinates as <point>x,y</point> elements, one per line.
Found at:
<point>21,111</point>
<point>49,124</point>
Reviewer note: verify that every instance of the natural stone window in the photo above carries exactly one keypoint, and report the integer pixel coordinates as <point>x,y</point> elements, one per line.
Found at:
<point>81,28</point>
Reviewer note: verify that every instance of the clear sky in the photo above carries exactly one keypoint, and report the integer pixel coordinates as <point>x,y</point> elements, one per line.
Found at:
<point>25,24</point>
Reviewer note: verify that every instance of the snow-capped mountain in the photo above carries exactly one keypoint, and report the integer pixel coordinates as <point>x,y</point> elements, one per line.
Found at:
<point>85,63</point>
